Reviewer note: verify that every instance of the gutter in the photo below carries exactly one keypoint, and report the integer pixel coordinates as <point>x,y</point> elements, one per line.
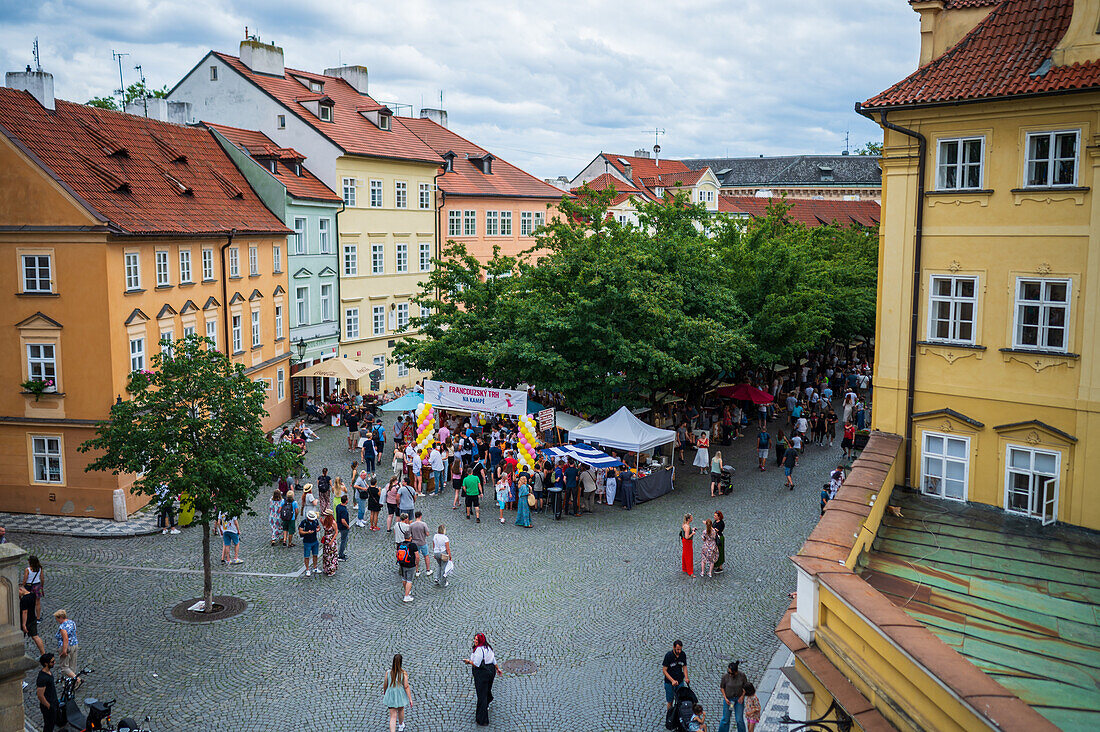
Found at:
<point>225,292</point>
<point>918,237</point>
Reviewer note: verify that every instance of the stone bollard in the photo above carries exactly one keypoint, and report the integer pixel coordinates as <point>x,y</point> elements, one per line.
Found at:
<point>14,662</point>
<point>119,498</point>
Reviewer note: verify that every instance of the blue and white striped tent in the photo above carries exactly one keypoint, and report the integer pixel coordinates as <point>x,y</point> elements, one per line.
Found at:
<point>583,454</point>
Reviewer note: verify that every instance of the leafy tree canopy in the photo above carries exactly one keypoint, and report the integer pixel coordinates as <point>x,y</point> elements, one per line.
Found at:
<point>870,148</point>
<point>137,90</point>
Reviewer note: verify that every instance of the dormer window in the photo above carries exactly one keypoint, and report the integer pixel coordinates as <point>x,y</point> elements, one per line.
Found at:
<point>824,172</point>
<point>273,166</point>
<point>297,168</point>
<point>383,121</point>
<point>448,162</point>
<point>315,86</point>
<point>484,163</point>
<point>325,112</point>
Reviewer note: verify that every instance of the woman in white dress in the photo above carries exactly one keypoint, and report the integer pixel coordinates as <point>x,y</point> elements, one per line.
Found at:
<point>702,453</point>
<point>610,486</point>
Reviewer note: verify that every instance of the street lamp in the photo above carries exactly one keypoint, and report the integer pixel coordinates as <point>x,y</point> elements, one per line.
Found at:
<point>300,347</point>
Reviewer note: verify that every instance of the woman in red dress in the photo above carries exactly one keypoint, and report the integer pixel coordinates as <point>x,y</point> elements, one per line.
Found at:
<point>687,533</point>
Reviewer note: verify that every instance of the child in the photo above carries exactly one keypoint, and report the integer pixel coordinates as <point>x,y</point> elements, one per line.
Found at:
<point>752,707</point>
<point>502,494</point>
<point>698,720</point>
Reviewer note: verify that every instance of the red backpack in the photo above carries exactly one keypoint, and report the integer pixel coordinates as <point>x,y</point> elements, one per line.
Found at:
<point>405,555</point>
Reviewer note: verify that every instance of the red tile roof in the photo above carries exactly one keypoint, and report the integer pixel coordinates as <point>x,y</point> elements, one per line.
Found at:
<point>670,180</point>
<point>953,4</point>
<point>807,211</point>
<point>623,191</point>
<point>259,145</point>
<point>1006,55</point>
<point>143,176</point>
<point>645,167</point>
<point>466,178</point>
<point>349,130</point>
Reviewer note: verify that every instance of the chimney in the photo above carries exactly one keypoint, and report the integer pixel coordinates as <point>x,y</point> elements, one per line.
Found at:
<point>628,171</point>
<point>354,75</point>
<point>151,107</point>
<point>641,153</point>
<point>263,58</point>
<point>439,116</point>
<point>38,83</point>
<point>179,112</point>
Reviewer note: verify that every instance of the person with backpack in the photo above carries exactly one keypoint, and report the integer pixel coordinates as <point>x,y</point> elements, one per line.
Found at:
<point>311,546</point>
<point>288,514</point>
<point>406,566</point>
<point>367,453</point>
<point>763,445</point>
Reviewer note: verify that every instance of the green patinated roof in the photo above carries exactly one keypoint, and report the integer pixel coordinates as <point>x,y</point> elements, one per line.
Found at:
<point>1019,600</point>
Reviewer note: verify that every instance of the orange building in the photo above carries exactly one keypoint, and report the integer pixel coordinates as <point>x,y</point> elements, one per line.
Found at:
<point>483,201</point>
<point>116,232</point>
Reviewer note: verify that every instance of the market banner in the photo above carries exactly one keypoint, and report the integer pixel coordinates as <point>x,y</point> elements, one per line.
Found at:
<point>546,420</point>
<point>475,398</point>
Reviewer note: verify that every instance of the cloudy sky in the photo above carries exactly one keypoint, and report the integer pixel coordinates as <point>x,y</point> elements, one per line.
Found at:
<point>545,84</point>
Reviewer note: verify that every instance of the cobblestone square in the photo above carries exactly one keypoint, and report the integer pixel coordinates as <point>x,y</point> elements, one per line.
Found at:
<point>594,601</point>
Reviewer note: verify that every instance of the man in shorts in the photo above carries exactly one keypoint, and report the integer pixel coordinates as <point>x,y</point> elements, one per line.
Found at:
<point>790,460</point>
<point>311,547</point>
<point>763,443</point>
<point>418,534</point>
<point>471,486</point>
<point>406,567</point>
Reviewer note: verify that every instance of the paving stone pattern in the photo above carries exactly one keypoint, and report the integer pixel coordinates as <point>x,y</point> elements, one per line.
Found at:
<point>139,523</point>
<point>594,601</point>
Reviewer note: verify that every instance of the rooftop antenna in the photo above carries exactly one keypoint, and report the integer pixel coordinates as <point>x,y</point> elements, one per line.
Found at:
<point>846,132</point>
<point>37,58</point>
<point>144,91</point>
<point>657,132</point>
<point>117,55</point>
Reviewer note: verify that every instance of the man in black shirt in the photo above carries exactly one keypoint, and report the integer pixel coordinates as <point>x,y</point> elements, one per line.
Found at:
<point>351,419</point>
<point>674,671</point>
<point>47,693</point>
<point>343,525</point>
<point>572,496</point>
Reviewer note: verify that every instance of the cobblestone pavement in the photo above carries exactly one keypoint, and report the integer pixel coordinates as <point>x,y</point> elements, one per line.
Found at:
<point>594,601</point>
<point>139,523</point>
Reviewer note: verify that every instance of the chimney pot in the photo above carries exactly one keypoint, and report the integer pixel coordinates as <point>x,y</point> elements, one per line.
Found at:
<point>354,75</point>
<point>641,153</point>
<point>439,116</point>
<point>38,83</point>
<point>157,108</point>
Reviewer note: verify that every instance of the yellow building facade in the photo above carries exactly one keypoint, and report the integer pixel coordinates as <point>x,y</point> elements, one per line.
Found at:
<point>987,336</point>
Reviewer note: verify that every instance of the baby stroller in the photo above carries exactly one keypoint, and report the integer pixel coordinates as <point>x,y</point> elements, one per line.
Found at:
<point>679,717</point>
<point>725,485</point>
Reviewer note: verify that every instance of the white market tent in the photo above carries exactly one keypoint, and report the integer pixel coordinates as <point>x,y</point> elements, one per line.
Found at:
<point>623,431</point>
<point>570,422</point>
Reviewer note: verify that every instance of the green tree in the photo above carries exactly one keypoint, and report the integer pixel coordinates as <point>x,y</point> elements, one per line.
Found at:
<point>870,148</point>
<point>137,90</point>
<point>103,103</point>
<point>192,426</point>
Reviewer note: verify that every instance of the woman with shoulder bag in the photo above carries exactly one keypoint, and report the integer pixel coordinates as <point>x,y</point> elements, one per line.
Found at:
<point>484,663</point>
<point>524,501</point>
<point>441,550</point>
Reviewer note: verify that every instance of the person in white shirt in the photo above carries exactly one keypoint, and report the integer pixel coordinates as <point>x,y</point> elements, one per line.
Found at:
<point>231,539</point>
<point>444,556</point>
<point>438,465</point>
<point>484,663</point>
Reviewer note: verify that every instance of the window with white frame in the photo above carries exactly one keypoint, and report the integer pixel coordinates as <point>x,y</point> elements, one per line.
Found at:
<point>234,262</point>
<point>425,256</point>
<point>256,340</point>
<point>46,453</point>
<point>401,194</point>
<point>469,223</point>
<point>278,322</point>
<point>137,354</point>
<point>351,260</point>
<point>238,344</point>
<point>505,223</point>
<point>380,364</point>
<point>185,266</point>
<point>376,194</point>
<point>212,331</point>
<point>188,330</point>
<point>526,223</point>
<point>401,261</point>
<point>425,195</point>
<point>253,261</point>
<point>540,219</point>
<point>207,265</point>
<point>301,304</point>
<point>276,259</point>
<point>299,235</point>
<point>213,73</point>
<point>349,192</point>
<point>36,273</point>
<point>327,312</point>
<point>133,271</point>
<point>377,258</point>
<point>945,465</point>
<point>425,311</point>
<point>163,273</point>
<point>280,121</point>
<point>1052,158</point>
<point>402,316</point>
<point>959,163</point>
<point>378,320</point>
<point>325,112</point>
<point>492,223</point>
<point>280,384</point>
<point>351,322</point>
<point>402,369</point>
<point>454,223</point>
<point>167,342</point>
<point>1042,314</point>
<point>1031,482</point>
<point>324,240</point>
<point>42,363</point>
<point>951,311</point>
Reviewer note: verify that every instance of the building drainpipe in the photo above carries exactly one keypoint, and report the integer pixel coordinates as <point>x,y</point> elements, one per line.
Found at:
<point>225,292</point>
<point>922,147</point>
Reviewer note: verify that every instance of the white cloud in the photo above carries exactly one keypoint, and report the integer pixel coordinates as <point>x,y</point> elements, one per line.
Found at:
<point>545,84</point>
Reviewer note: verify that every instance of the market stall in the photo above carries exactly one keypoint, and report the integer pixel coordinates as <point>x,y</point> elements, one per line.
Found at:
<point>624,431</point>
